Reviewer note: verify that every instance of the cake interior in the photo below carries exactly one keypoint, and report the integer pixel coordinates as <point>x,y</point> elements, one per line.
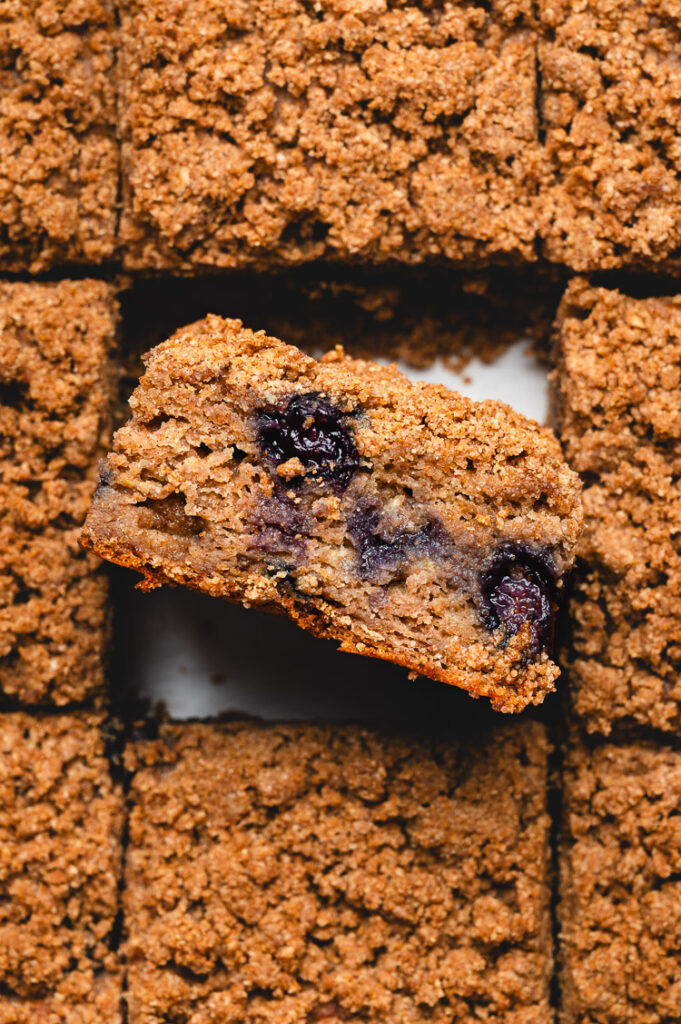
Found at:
<point>274,505</point>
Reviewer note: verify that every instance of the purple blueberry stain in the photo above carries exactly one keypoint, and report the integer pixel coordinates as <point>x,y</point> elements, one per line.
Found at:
<point>310,428</point>
<point>279,525</point>
<point>519,588</point>
<point>380,547</point>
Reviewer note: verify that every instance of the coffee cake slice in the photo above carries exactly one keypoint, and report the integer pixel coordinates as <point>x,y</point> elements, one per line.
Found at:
<point>609,98</point>
<point>61,829</point>
<point>58,149</point>
<point>290,873</point>
<point>56,389</point>
<point>617,390</point>
<point>620,864</point>
<point>266,133</point>
<point>402,519</point>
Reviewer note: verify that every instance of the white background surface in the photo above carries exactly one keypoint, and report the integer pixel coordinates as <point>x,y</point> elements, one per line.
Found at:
<point>200,655</point>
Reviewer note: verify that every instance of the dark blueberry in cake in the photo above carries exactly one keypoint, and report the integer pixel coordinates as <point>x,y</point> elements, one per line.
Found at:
<point>518,589</point>
<point>381,547</point>
<point>375,552</point>
<point>313,430</point>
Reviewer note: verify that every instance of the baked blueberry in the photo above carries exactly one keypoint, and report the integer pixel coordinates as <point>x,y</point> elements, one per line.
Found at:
<point>313,430</point>
<point>519,589</point>
<point>381,545</point>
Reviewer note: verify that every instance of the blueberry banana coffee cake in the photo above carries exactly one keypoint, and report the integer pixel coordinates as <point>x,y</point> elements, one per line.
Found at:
<point>329,874</point>
<point>57,345</point>
<point>402,519</point>
<point>619,857</point>
<point>61,859</point>
<point>268,133</point>
<point>617,396</point>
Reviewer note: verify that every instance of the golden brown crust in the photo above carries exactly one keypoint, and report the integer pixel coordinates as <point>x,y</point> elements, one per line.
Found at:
<point>618,396</point>
<point>56,382</point>
<point>58,150</point>
<point>282,133</point>
<point>337,873</point>
<point>507,688</point>
<point>61,828</point>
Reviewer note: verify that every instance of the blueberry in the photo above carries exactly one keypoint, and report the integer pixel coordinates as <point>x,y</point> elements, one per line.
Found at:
<point>518,589</point>
<point>374,551</point>
<point>380,547</point>
<point>312,429</point>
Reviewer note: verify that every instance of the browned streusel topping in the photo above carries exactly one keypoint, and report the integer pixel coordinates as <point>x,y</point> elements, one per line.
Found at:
<point>55,395</point>
<point>283,131</point>
<point>618,407</point>
<point>397,518</point>
<point>61,825</point>
<point>58,151</point>
<point>610,96</point>
<point>620,861</point>
<point>292,873</point>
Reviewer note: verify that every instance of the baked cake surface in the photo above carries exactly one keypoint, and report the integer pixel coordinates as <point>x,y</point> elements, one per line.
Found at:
<point>292,873</point>
<point>58,150</point>
<point>55,396</point>
<point>283,132</point>
<point>620,858</point>
<point>610,95</point>
<point>402,519</point>
<point>61,826</point>
<point>618,411</point>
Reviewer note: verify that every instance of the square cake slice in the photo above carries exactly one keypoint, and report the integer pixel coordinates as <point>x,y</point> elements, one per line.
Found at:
<point>618,410</point>
<point>610,96</point>
<point>58,150</point>
<point>61,827</point>
<point>399,518</point>
<point>301,872</point>
<point>56,387</point>
<point>273,133</point>
<point>620,865</point>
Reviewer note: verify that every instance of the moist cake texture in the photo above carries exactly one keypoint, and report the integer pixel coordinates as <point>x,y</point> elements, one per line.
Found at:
<point>58,150</point>
<point>55,394</point>
<point>610,95</point>
<point>288,873</point>
<point>402,519</point>
<point>283,132</point>
<point>61,825</point>
<point>618,411</point>
<point>620,863</point>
